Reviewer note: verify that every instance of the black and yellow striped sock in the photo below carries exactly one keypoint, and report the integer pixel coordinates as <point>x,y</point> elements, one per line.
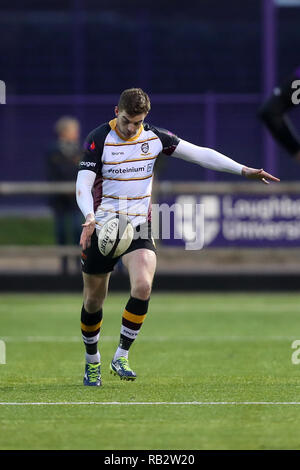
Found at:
<point>90,329</point>
<point>132,321</point>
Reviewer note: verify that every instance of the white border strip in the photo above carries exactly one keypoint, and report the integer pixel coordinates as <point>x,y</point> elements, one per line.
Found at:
<point>118,403</point>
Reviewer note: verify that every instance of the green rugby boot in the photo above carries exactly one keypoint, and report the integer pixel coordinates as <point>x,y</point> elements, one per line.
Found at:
<point>92,376</point>
<point>121,368</point>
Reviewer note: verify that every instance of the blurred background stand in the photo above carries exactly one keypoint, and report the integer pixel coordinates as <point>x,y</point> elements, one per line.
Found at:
<point>256,255</point>
<point>207,69</point>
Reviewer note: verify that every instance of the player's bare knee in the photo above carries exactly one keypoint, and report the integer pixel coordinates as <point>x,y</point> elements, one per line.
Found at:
<point>94,292</point>
<point>141,289</point>
<point>93,300</point>
<point>92,304</point>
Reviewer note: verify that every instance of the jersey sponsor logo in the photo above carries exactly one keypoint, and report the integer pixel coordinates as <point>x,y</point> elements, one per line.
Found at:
<point>118,171</point>
<point>88,164</point>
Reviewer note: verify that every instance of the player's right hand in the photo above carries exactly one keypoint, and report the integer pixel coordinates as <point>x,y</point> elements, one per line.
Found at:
<point>87,231</point>
<point>258,174</point>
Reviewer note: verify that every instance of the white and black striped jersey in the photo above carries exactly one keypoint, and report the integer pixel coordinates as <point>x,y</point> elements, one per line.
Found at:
<point>124,168</point>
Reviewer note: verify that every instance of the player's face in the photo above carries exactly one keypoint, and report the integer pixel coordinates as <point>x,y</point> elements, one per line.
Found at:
<point>127,125</point>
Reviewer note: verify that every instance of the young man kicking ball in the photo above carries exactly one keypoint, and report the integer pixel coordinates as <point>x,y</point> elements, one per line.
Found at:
<point>117,168</point>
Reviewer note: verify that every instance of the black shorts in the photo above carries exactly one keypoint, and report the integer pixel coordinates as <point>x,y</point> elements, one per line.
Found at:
<point>94,263</point>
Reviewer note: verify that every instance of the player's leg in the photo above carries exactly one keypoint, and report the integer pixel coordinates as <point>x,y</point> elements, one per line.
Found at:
<point>96,271</point>
<point>141,265</point>
<point>95,288</point>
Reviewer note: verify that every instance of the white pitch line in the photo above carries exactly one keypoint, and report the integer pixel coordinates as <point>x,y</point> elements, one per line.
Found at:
<point>119,403</point>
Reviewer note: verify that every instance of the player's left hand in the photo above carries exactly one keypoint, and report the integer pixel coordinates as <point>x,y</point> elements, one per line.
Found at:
<point>255,174</point>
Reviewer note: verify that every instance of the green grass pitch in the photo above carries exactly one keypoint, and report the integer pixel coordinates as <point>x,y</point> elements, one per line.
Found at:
<point>222,349</point>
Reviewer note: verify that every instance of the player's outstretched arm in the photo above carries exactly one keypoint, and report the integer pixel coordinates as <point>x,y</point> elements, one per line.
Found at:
<point>258,174</point>
<point>214,160</point>
<point>206,157</point>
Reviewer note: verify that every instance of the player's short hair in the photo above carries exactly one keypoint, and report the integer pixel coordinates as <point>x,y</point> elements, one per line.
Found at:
<point>63,122</point>
<point>134,101</point>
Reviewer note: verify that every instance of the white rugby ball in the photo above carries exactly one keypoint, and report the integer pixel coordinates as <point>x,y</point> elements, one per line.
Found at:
<point>115,236</point>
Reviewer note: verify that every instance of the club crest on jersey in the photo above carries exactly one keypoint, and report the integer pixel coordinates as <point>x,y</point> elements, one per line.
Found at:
<point>92,146</point>
<point>145,147</point>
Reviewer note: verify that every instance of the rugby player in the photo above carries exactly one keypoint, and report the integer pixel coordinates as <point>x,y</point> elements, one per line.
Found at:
<point>273,114</point>
<point>117,168</point>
